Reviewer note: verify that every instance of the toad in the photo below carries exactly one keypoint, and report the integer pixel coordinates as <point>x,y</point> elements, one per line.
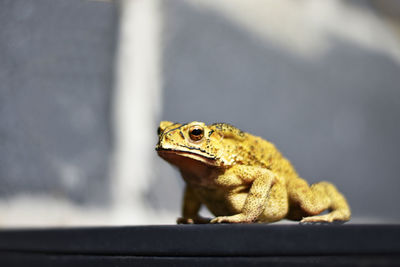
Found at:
<point>242,178</point>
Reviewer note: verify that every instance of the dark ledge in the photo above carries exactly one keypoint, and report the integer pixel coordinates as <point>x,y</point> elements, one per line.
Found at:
<point>236,244</point>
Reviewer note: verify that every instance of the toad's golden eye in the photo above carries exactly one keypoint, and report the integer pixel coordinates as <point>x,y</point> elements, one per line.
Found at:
<point>196,133</point>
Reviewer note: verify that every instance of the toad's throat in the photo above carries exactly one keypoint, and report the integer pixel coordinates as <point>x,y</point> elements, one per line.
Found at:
<point>168,153</point>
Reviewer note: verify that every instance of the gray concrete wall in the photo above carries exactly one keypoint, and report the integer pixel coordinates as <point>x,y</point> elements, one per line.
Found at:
<point>320,79</point>
<point>56,74</point>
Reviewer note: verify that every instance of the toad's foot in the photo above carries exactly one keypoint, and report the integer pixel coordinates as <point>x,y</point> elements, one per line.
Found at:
<point>238,218</point>
<point>326,218</point>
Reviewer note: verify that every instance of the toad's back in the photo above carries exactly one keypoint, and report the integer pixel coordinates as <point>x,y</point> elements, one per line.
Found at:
<point>255,151</point>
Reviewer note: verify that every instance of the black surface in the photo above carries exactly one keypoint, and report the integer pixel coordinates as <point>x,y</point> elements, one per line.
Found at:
<point>203,244</point>
<point>89,260</point>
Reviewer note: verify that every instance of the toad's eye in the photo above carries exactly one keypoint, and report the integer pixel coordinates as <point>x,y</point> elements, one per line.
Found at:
<point>196,133</point>
<point>159,130</point>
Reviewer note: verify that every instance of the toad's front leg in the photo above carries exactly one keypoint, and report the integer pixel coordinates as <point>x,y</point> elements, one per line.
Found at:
<point>256,200</point>
<point>190,209</point>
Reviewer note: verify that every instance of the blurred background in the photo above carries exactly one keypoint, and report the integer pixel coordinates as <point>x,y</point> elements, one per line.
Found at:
<point>84,84</point>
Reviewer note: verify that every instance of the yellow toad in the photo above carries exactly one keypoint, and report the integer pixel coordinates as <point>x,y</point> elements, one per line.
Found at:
<point>242,178</point>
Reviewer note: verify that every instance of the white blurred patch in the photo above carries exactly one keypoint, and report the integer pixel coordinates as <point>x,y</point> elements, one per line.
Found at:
<point>46,211</point>
<point>70,174</point>
<point>304,27</point>
<point>137,105</point>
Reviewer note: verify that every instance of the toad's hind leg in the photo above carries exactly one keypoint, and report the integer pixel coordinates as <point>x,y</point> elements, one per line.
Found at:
<point>313,200</point>
<point>277,203</point>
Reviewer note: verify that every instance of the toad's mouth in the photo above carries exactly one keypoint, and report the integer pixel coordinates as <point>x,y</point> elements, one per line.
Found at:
<point>168,153</point>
